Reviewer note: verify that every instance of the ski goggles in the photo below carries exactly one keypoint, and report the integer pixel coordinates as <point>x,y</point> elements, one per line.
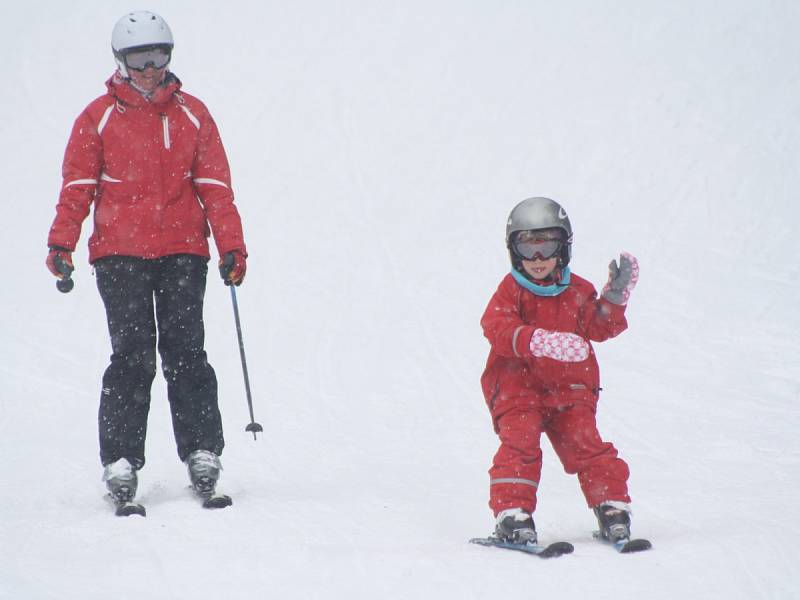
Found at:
<point>530,245</point>
<point>139,60</point>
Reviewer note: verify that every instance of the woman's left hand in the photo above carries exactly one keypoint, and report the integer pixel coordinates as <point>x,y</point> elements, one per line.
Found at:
<point>232,267</point>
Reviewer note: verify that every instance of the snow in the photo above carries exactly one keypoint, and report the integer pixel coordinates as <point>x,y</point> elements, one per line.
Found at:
<point>377,149</point>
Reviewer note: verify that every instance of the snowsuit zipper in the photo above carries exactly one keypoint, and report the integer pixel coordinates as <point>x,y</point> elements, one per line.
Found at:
<point>165,123</point>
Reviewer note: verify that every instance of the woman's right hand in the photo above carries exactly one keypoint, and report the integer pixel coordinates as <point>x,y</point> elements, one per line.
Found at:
<point>59,261</point>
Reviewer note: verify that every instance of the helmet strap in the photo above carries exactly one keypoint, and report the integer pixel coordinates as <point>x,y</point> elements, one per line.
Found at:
<point>123,71</point>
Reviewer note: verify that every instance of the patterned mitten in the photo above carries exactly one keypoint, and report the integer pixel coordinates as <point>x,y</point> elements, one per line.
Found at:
<point>559,345</point>
<point>622,279</point>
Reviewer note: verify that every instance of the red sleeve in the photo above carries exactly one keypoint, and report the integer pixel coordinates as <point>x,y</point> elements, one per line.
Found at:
<point>502,324</point>
<point>602,320</point>
<point>212,179</point>
<point>83,161</point>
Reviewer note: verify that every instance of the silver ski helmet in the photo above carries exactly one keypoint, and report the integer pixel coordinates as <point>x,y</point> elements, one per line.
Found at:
<point>535,214</point>
<point>138,31</point>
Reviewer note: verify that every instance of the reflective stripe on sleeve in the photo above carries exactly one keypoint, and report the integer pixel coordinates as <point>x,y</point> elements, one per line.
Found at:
<point>514,341</point>
<point>515,480</point>
<point>211,181</point>
<point>81,182</point>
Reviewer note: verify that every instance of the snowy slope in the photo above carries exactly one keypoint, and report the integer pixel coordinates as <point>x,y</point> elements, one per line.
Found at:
<point>376,151</point>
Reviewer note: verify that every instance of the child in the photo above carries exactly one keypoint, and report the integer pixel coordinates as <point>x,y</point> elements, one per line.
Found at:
<point>542,374</point>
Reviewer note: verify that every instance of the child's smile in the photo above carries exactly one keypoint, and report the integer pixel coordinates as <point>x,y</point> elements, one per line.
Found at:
<point>540,269</point>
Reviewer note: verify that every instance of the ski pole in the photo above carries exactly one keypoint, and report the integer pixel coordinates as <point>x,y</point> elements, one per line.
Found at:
<point>253,426</point>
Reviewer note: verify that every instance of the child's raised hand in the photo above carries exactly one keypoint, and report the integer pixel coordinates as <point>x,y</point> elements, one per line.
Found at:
<point>559,345</point>
<point>622,279</point>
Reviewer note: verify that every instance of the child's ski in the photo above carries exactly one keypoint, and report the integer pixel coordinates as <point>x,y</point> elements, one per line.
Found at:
<point>549,551</point>
<point>626,545</point>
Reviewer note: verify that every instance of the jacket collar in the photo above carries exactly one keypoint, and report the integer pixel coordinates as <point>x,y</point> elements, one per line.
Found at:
<point>554,289</point>
<point>124,92</point>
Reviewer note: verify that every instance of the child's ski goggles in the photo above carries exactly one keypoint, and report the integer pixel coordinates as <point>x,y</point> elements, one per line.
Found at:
<point>530,245</point>
<point>139,60</point>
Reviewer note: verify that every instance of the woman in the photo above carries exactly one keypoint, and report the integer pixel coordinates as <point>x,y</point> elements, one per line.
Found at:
<point>150,158</point>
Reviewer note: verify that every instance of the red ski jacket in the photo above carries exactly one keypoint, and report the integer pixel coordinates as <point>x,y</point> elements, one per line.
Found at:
<point>156,171</point>
<point>514,376</point>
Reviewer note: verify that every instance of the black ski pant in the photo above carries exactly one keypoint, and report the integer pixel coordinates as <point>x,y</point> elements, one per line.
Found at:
<point>147,300</point>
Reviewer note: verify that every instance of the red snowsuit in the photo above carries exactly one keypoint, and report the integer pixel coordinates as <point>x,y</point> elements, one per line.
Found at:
<point>156,172</point>
<point>528,395</point>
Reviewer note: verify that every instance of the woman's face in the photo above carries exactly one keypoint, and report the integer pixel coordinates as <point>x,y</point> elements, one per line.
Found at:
<point>149,79</point>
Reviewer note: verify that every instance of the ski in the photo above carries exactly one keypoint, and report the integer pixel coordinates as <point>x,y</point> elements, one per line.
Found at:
<point>213,499</point>
<point>626,545</point>
<point>126,508</point>
<point>549,551</point>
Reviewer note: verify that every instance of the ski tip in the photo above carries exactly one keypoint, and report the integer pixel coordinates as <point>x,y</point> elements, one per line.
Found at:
<point>625,546</point>
<point>129,509</point>
<point>637,545</point>
<point>220,501</point>
<point>125,509</point>
<point>480,541</point>
<point>557,549</point>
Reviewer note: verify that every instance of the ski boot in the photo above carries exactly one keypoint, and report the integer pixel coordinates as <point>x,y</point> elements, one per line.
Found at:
<point>516,526</point>
<point>121,482</point>
<point>204,469</point>
<point>614,520</point>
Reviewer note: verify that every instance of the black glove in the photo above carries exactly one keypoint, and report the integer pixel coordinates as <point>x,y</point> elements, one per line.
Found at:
<point>59,261</point>
<point>232,267</point>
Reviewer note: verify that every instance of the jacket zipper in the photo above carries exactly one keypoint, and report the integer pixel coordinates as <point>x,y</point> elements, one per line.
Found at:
<point>165,123</point>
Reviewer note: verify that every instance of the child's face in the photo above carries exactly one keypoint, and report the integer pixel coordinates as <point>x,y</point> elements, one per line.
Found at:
<point>540,269</point>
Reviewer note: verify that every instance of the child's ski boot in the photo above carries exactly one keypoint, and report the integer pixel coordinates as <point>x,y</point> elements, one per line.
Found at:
<point>614,520</point>
<point>516,526</point>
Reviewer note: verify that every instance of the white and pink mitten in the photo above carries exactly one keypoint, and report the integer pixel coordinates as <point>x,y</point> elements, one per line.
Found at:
<point>559,345</point>
<point>622,279</point>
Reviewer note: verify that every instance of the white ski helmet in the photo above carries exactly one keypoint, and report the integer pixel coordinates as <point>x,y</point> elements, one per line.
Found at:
<point>139,30</point>
<point>539,213</point>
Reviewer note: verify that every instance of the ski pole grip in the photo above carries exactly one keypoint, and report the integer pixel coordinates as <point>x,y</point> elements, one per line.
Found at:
<point>66,284</point>
<point>226,265</point>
